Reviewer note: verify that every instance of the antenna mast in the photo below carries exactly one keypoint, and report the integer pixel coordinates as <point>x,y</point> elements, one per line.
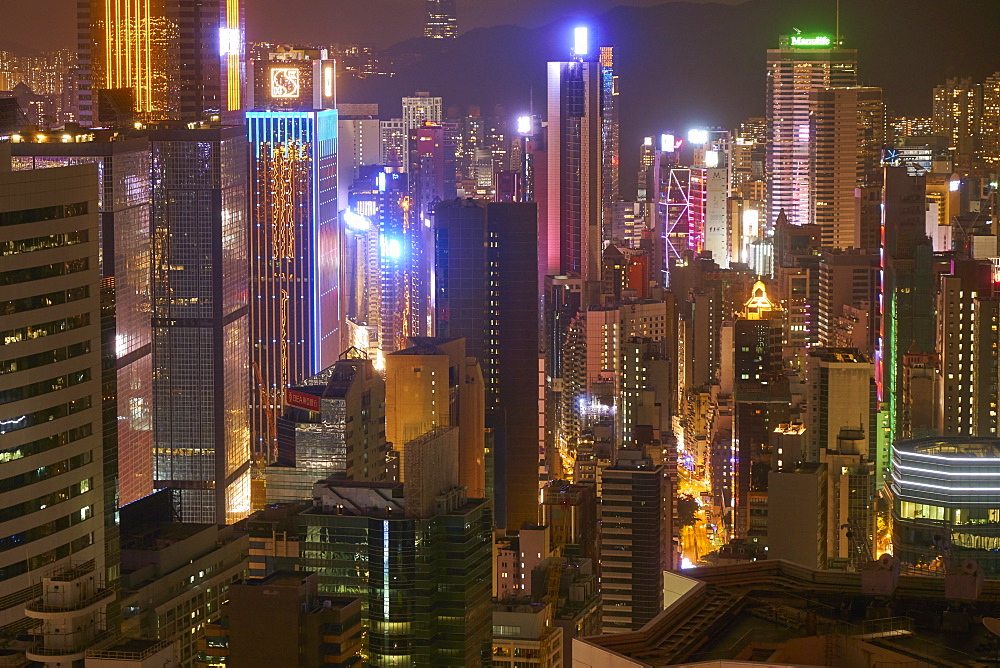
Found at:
<point>838,24</point>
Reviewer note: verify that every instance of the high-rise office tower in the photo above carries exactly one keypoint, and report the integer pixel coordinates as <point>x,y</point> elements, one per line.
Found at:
<point>967,313</point>
<point>486,292</point>
<point>575,140</point>
<point>163,59</point>
<point>906,299</point>
<point>359,143</point>
<point>847,134</point>
<point>956,110</point>
<point>846,279</point>
<point>295,274</point>
<point>423,577</point>
<point>433,383</point>
<point>428,187</point>
<point>393,135</point>
<point>610,191</point>
<point>635,536</point>
<point>989,124</point>
<point>57,444</point>
<point>123,170</point>
<point>442,19</point>
<point>383,227</point>
<point>334,423</point>
<point>797,66</point>
<point>418,109</point>
<point>200,312</point>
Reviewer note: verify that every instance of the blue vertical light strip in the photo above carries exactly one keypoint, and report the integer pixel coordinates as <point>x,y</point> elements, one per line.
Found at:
<point>385,570</point>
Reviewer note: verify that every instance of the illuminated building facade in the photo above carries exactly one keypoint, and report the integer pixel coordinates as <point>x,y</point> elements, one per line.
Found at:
<point>56,453</point>
<point>295,310</point>
<point>334,423</point>
<point>847,134</point>
<point>945,502</point>
<point>486,293</point>
<point>180,60</point>
<point>967,318</point>
<point>200,320</point>
<point>293,80</point>
<point>575,141</point>
<point>424,580</point>
<point>380,228</point>
<point>442,19</point>
<point>635,535</point>
<point>418,109</point>
<point>906,303</point>
<point>123,170</point>
<point>431,384</point>
<point>610,143</point>
<point>798,65</point>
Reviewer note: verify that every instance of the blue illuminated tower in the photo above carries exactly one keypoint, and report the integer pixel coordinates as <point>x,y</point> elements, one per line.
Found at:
<point>383,242</point>
<point>295,303</point>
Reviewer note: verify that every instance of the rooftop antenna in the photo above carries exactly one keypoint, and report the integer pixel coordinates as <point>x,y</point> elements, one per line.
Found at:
<point>838,23</point>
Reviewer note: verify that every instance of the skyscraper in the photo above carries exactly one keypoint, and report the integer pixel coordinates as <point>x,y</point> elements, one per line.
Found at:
<point>635,535</point>
<point>442,19</point>
<point>171,59</point>
<point>847,133</point>
<point>610,192</point>
<point>795,68</point>
<point>575,126</point>
<point>433,383</point>
<point>59,464</point>
<point>906,299</point>
<point>486,292</point>
<point>418,109</point>
<point>200,314</point>
<point>123,210</point>
<point>295,311</point>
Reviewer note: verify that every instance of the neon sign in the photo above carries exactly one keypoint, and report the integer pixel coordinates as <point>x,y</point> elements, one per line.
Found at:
<point>818,40</point>
<point>284,82</point>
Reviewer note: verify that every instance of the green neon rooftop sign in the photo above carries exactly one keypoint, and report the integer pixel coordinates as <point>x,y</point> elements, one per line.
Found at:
<point>818,40</point>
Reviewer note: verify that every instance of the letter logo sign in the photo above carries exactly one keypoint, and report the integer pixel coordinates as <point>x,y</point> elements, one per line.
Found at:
<point>819,40</point>
<point>284,82</point>
<point>310,402</point>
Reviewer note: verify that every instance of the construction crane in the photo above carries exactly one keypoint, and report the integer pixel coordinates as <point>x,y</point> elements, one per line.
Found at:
<point>258,492</point>
<point>555,569</point>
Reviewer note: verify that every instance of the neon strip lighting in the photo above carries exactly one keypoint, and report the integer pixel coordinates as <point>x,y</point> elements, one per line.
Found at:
<point>385,569</point>
<point>904,453</point>
<point>989,474</point>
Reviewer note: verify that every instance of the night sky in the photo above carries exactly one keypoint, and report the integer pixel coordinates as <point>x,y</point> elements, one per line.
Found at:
<point>51,24</point>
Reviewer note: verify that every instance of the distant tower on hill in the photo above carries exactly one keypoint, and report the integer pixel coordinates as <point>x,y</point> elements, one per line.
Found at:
<point>442,20</point>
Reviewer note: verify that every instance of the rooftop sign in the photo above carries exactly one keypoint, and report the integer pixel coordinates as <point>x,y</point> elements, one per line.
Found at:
<point>818,40</point>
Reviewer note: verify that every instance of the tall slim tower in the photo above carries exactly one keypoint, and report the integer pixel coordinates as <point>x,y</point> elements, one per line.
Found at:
<point>442,20</point>
<point>57,463</point>
<point>200,320</point>
<point>486,292</point>
<point>610,191</point>
<point>165,59</point>
<point>574,165</point>
<point>296,311</point>
<point>123,174</point>
<point>794,69</point>
<point>847,133</point>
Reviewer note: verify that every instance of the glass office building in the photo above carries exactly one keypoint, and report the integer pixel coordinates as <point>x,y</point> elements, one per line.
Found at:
<point>200,312</point>
<point>945,495</point>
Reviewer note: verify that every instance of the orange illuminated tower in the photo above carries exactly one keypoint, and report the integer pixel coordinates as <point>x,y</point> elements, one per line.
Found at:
<point>160,60</point>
